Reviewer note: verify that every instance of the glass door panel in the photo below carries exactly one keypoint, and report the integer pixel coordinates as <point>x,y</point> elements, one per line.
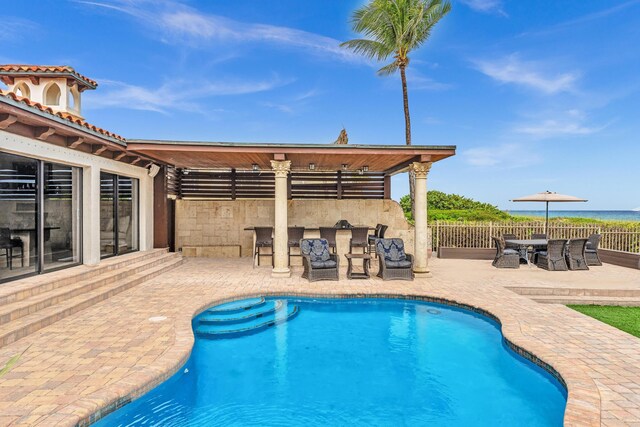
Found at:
<point>127,214</point>
<point>61,215</point>
<point>18,216</point>
<point>107,215</point>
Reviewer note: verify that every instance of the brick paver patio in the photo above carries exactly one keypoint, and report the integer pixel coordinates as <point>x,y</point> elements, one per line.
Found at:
<point>112,351</point>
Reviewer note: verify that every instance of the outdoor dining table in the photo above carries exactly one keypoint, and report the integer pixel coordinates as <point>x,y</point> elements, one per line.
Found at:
<point>525,244</point>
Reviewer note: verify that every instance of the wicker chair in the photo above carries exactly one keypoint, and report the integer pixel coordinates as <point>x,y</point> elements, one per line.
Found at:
<point>8,245</point>
<point>553,258</point>
<point>381,229</point>
<point>329,234</point>
<point>591,251</point>
<point>574,254</point>
<point>264,239</point>
<point>537,248</point>
<point>318,262</point>
<point>359,236</point>
<point>505,258</point>
<point>294,235</point>
<point>394,263</point>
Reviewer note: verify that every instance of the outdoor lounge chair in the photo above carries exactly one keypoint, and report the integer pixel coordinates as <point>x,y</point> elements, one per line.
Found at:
<point>553,258</point>
<point>574,254</point>
<point>394,263</point>
<point>264,239</point>
<point>505,258</point>
<point>591,251</point>
<point>318,262</point>
<point>509,236</point>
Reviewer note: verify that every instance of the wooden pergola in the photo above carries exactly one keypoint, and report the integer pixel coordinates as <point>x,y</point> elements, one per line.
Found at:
<point>222,170</point>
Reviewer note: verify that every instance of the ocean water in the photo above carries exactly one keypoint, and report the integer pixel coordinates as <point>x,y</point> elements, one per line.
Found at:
<point>358,362</point>
<point>602,215</point>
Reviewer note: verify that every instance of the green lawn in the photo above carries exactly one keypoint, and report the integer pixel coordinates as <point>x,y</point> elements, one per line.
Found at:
<point>623,318</point>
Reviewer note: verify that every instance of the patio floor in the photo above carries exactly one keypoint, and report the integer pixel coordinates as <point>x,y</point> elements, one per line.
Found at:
<point>113,351</point>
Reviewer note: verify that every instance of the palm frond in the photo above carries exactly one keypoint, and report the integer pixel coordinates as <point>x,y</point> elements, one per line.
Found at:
<point>389,69</point>
<point>369,48</point>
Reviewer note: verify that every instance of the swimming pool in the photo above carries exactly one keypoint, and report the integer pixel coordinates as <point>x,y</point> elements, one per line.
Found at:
<point>348,362</point>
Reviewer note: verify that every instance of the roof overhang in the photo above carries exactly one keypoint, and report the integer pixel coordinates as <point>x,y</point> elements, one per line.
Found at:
<point>390,159</point>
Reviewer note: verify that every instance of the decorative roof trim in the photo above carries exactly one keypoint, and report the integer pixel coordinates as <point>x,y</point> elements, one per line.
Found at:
<point>21,70</point>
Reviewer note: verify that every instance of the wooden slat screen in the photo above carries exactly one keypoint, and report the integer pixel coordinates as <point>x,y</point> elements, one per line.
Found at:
<point>231,185</point>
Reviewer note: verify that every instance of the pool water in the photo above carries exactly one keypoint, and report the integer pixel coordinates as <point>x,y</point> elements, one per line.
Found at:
<point>362,362</point>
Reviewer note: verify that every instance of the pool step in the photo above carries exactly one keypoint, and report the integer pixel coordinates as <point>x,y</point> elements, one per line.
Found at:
<point>237,306</point>
<point>249,324</point>
<point>226,318</point>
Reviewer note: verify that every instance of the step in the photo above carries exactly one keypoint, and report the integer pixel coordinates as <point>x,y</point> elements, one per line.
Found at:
<point>13,311</point>
<point>29,324</point>
<point>31,286</point>
<point>602,292</point>
<point>252,326</point>
<point>237,306</point>
<point>225,318</point>
<point>587,300</point>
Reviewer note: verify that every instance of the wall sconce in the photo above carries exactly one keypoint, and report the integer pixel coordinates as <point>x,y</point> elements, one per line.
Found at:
<point>185,171</point>
<point>365,168</point>
<point>255,167</point>
<point>345,167</point>
<point>360,172</point>
<point>312,166</point>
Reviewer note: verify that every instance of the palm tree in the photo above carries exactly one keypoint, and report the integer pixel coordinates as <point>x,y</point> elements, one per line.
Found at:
<point>396,27</point>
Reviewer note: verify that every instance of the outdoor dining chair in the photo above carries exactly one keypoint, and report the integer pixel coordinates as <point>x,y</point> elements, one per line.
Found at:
<point>359,239</point>
<point>537,248</point>
<point>553,258</point>
<point>329,234</point>
<point>381,229</point>
<point>510,236</point>
<point>591,251</point>
<point>575,254</point>
<point>505,257</point>
<point>293,240</point>
<point>264,239</point>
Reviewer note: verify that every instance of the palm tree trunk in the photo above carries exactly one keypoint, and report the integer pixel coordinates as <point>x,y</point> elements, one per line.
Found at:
<point>407,130</point>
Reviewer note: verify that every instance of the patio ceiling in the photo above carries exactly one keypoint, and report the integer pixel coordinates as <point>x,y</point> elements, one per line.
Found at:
<point>390,159</point>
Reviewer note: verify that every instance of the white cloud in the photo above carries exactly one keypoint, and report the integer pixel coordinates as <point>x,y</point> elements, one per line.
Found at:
<point>568,123</point>
<point>174,22</point>
<point>504,156</point>
<point>418,81</point>
<point>485,6</point>
<point>176,95</point>
<point>513,70</point>
<point>15,28</point>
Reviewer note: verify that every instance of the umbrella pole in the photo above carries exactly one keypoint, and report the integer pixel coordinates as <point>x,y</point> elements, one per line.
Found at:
<point>546,221</point>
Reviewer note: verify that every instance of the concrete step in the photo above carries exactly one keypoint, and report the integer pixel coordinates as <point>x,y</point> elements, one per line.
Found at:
<point>587,300</point>
<point>13,331</point>
<point>24,307</point>
<point>31,286</point>
<point>563,292</point>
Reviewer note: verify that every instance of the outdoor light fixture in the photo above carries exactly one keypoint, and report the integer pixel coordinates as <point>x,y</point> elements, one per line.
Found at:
<point>312,166</point>
<point>254,167</point>
<point>345,166</point>
<point>360,172</point>
<point>365,168</point>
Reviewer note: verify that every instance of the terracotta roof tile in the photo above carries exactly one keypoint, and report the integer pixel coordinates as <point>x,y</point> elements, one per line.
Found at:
<point>44,69</point>
<point>66,116</point>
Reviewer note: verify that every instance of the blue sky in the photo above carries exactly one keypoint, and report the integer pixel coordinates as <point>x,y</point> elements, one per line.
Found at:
<point>537,94</point>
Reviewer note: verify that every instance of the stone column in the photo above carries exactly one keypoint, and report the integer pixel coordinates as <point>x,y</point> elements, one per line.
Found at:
<point>280,261</point>
<point>421,262</point>
<point>91,215</point>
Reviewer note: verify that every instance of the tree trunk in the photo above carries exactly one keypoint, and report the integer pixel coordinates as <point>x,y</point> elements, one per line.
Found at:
<point>407,131</point>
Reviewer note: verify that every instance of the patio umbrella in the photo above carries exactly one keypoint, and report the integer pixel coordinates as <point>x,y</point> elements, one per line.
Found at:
<point>548,197</point>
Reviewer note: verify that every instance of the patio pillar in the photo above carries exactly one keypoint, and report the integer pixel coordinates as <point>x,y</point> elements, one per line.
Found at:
<point>421,250</point>
<point>280,261</point>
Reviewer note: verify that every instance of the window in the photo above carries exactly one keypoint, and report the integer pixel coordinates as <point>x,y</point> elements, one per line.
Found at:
<point>22,90</point>
<point>52,94</point>
<point>40,216</point>
<point>118,214</point>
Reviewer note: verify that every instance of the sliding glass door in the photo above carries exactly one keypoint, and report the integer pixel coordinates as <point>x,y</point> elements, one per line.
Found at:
<point>40,216</point>
<point>118,214</point>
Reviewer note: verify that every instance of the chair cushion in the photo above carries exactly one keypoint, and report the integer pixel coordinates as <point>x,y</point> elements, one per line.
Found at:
<point>316,249</point>
<point>398,264</point>
<point>591,251</point>
<point>393,249</point>
<point>510,252</point>
<point>542,253</point>
<point>323,264</point>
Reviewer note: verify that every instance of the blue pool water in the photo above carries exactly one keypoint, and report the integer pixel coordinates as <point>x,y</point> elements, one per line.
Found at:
<point>358,362</point>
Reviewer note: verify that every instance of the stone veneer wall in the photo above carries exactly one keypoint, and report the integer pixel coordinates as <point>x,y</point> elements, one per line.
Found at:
<point>211,223</point>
